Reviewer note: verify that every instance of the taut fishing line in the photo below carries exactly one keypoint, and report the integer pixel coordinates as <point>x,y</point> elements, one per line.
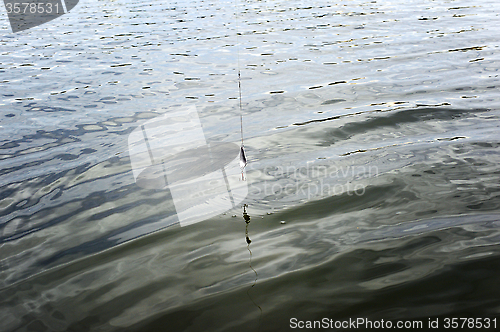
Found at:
<point>243,162</point>
<point>243,158</point>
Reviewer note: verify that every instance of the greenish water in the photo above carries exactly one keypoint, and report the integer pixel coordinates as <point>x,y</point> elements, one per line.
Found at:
<point>372,138</point>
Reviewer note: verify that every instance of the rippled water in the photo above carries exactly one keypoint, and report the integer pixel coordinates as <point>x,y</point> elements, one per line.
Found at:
<point>372,136</point>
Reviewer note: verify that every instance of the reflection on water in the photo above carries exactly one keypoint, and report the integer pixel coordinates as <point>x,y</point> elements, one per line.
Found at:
<point>371,130</point>
<point>247,218</point>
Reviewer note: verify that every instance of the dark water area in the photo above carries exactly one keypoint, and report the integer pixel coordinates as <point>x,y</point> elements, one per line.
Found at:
<point>372,138</point>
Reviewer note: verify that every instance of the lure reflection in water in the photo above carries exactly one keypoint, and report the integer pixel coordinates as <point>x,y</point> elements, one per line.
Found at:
<point>171,152</point>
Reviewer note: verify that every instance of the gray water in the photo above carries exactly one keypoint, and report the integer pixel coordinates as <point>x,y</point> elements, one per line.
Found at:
<point>371,131</point>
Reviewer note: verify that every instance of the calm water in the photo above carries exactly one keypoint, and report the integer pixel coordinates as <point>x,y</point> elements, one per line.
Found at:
<point>372,135</point>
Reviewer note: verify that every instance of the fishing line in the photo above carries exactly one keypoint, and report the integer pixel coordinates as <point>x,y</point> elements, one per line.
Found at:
<point>243,158</point>
<point>243,163</point>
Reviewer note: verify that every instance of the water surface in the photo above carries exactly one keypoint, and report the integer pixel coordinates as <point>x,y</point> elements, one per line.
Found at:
<point>372,141</point>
